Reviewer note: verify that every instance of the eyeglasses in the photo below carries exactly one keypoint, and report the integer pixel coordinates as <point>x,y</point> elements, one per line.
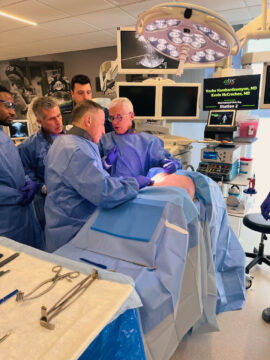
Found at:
<point>118,117</point>
<point>8,104</point>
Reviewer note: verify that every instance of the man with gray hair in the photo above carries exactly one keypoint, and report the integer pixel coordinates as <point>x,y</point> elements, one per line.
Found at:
<point>76,182</point>
<point>128,153</point>
<point>34,149</point>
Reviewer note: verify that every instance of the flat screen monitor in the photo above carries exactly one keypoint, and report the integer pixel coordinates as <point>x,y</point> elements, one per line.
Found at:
<point>19,130</point>
<point>180,101</point>
<point>143,98</point>
<point>136,56</point>
<point>265,93</point>
<point>224,118</point>
<point>237,92</point>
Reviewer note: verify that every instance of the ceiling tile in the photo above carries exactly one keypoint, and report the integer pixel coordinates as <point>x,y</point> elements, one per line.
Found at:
<point>137,9</point>
<point>217,6</point>
<point>123,2</point>
<point>27,34</point>
<point>8,2</point>
<point>112,32</point>
<point>108,18</point>
<point>236,16</point>
<point>254,11</point>
<point>255,2</point>
<point>97,39</point>
<point>77,7</point>
<point>68,26</point>
<point>35,11</point>
<point>9,24</point>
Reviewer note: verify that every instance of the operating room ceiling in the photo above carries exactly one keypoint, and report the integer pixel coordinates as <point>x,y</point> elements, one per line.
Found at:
<point>70,25</point>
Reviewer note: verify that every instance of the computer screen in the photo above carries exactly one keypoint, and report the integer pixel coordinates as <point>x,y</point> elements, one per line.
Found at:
<point>180,101</point>
<point>265,94</point>
<point>142,97</point>
<point>235,92</point>
<point>221,118</point>
<point>19,130</point>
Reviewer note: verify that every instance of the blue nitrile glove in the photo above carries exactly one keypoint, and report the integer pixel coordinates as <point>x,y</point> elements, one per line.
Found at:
<point>170,166</point>
<point>265,208</point>
<point>28,190</point>
<point>143,181</point>
<point>112,155</point>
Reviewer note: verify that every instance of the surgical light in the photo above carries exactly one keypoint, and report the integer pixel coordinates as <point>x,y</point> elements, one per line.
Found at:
<point>189,33</point>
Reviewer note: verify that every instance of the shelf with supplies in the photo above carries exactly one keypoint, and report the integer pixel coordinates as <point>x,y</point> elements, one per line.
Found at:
<point>238,180</point>
<point>236,141</point>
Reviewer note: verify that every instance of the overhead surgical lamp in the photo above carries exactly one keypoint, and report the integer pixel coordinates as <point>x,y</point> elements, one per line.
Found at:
<point>187,33</point>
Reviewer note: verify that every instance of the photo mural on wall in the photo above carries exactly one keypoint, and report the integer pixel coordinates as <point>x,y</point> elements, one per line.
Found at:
<point>27,80</point>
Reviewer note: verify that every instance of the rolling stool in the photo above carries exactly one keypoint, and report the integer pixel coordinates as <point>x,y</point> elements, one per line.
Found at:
<point>256,222</point>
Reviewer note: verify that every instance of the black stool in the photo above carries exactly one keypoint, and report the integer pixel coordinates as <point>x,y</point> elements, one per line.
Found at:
<point>256,222</point>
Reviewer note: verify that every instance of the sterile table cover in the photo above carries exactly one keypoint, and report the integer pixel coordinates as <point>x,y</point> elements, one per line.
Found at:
<point>75,327</point>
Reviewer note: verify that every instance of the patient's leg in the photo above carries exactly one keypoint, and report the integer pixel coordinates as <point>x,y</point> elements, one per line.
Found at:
<point>184,182</point>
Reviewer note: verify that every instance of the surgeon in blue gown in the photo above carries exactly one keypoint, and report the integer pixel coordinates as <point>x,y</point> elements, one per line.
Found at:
<point>33,150</point>
<point>76,182</point>
<point>17,220</point>
<point>128,153</point>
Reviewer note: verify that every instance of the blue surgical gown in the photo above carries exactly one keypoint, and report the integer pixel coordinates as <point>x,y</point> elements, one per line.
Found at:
<point>33,152</point>
<point>138,152</point>
<point>16,222</point>
<point>76,185</point>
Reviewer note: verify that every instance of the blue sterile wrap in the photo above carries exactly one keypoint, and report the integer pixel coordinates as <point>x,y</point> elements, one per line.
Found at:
<point>145,215</point>
<point>119,340</point>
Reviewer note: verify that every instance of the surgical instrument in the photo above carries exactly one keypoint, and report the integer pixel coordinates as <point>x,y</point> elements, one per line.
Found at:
<point>10,258</point>
<point>94,263</point>
<point>65,301</point>
<point>8,296</point>
<point>58,276</point>
<point>6,335</point>
<point>4,272</point>
<point>128,261</point>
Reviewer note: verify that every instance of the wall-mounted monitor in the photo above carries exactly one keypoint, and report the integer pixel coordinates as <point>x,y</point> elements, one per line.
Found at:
<point>162,99</point>
<point>180,101</point>
<point>136,56</point>
<point>143,97</point>
<point>236,92</point>
<point>19,130</point>
<point>265,93</point>
<point>224,118</point>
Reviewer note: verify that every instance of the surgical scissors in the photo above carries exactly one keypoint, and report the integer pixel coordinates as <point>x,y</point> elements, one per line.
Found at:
<point>58,276</point>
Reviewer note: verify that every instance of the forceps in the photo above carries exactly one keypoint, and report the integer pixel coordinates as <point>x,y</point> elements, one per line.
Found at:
<point>58,276</point>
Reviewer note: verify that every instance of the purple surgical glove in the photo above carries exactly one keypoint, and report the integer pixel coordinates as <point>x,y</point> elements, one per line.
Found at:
<point>28,190</point>
<point>143,181</point>
<point>112,155</point>
<point>170,166</point>
<point>265,208</point>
